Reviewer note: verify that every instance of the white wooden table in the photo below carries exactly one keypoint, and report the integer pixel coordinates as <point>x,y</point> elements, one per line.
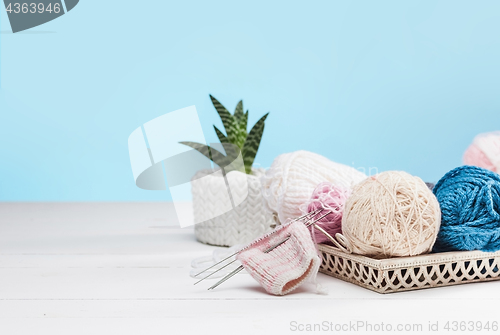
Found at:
<point>123,268</point>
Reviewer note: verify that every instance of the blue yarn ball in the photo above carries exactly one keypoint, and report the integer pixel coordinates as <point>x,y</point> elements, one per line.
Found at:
<point>469,197</point>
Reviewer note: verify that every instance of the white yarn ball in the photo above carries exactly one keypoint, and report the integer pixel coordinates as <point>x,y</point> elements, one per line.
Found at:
<point>391,214</point>
<point>292,178</point>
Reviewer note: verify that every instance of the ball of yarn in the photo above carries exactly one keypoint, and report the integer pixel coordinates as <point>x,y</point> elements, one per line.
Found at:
<point>331,199</point>
<point>391,214</point>
<point>470,205</point>
<point>484,151</point>
<point>292,178</point>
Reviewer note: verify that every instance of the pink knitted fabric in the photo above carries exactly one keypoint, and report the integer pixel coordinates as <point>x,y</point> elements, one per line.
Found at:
<point>286,267</point>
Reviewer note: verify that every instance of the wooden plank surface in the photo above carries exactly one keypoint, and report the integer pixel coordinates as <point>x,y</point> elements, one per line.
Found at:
<point>106,268</point>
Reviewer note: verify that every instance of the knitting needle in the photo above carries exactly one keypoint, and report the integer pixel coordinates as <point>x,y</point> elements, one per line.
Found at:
<point>239,268</point>
<point>234,272</point>
<point>319,210</point>
<point>202,279</point>
<point>226,277</point>
<point>314,222</point>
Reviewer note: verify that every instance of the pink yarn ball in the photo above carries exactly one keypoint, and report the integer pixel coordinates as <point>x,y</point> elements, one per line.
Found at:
<point>330,198</point>
<point>484,152</point>
<point>474,156</point>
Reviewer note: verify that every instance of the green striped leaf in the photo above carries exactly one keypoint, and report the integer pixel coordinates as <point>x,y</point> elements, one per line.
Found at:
<point>238,112</point>
<point>252,143</point>
<point>241,132</point>
<point>221,136</point>
<point>240,137</point>
<point>232,153</point>
<point>228,120</point>
<point>244,121</point>
<point>212,154</point>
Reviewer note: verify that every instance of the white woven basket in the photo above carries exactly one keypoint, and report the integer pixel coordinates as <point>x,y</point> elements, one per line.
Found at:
<point>240,225</point>
<point>410,273</point>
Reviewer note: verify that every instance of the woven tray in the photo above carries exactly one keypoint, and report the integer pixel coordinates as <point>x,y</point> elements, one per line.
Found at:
<point>410,273</point>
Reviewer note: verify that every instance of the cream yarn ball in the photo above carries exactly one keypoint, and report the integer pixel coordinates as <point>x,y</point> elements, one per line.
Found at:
<point>292,178</point>
<point>391,214</point>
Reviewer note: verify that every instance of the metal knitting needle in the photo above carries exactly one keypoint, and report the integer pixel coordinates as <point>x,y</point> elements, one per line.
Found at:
<point>238,269</point>
<point>227,277</point>
<point>314,222</point>
<point>319,210</point>
<point>202,279</point>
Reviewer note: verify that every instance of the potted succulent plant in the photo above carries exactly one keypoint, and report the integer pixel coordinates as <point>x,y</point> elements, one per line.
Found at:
<point>248,218</point>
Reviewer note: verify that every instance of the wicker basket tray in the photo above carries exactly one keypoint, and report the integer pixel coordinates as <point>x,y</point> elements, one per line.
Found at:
<point>410,273</point>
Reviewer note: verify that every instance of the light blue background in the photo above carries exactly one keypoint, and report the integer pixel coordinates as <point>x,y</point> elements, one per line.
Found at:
<point>388,84</point>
